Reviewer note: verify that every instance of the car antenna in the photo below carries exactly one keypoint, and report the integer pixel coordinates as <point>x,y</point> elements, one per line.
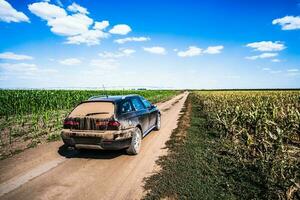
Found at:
<point>105,91</point>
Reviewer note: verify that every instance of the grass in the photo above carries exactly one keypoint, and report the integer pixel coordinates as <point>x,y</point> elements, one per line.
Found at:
<point>202,165</point>
<point>189,171</point>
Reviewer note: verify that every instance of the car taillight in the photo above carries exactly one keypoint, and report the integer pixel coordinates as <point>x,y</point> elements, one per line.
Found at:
<point>71,123</point>
<point>114,123</point>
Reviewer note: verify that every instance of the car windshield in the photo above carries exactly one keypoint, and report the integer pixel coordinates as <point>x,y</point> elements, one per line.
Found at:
<point>146,103</point>
<point>137,104</point>
<point>94,109</point>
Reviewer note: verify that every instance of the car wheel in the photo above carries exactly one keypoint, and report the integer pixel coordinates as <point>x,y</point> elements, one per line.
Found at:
<point>158,122</point>
<point>136,141</point>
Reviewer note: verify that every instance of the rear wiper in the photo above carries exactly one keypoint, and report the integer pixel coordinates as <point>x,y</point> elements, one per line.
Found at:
<point>96,113</point>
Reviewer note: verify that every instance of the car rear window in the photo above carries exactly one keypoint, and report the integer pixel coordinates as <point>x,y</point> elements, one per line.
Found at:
<point>94,110</point>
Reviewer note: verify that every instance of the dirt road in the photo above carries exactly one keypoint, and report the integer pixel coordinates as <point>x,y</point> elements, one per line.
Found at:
<point>51,171</point>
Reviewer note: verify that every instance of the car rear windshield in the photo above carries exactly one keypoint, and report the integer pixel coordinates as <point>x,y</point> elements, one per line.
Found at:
<point>94,110</point>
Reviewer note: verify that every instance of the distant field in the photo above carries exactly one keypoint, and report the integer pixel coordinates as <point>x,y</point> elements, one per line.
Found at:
<point>239,145</point>
<point>30,117</point>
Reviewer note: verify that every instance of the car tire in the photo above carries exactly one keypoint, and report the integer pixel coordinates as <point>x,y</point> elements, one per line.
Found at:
<point>158,122</point>
<point>136,141</point>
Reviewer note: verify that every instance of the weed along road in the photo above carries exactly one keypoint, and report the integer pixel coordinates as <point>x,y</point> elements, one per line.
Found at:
<point>51,171</point>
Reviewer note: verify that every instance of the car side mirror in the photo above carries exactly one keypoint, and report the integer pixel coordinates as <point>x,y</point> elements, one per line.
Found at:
<point>152,107</point>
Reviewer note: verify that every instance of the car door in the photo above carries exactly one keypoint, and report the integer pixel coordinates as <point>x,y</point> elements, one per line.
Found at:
<point>142,113</point>
<point>152,112</point>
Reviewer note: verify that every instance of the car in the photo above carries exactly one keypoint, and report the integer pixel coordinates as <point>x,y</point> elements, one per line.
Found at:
<point>111,123</point>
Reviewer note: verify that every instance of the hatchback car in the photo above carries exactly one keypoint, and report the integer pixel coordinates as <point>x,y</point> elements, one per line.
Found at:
<point>112,123</point>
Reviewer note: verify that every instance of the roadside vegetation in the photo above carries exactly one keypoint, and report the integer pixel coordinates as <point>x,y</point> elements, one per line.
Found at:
<point>238,145</point>
<point>31,117</point>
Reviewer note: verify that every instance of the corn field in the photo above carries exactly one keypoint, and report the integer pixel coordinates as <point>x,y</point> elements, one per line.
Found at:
<point>263,128</point>
<point>15,102</point>
<point>30,117</point>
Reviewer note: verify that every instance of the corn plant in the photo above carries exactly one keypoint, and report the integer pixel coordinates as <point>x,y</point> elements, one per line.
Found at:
<point>264,128</point>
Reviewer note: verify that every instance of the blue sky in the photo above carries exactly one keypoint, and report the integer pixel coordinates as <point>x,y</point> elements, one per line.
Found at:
<point>159,44</point>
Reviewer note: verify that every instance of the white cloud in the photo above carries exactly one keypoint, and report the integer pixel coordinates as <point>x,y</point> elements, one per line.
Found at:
<point>196,51</point>
<point>18,67</point>
<point>77,8</point>
<point>120,29</point>
<point>289,72</point>
<point>128,51</point>
<point>266,69</point>
<point>107,54</point>
<point>120,53</point>
<point>275,71</point>
<point>293,70</point>
<point>76,26</point>
<point>213,49</point>
<point>70,61</point>
<point>267,46</point>
<point>91,37</point>
<point>104,64</point>
<point>47,11</point>
<point>101,25</point>
<point>132,39</point>
<point>275,60</point>
<point>155,50</point>
<point>9,14</point>
<point>60,22</point>
<point>268,55</point>
<point>25,71</point>
<point>263,55</point>
<point>70,25</point>
<point>288,22</point>
<point>13,56</point>
<point>191,51</point>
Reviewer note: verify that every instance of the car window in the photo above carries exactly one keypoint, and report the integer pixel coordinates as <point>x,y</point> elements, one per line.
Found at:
<point>137,104</point>
<point>146,103</point>
<point>125,107</point>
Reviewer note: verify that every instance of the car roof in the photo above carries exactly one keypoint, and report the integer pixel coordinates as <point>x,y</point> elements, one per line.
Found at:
<point>110,98</point>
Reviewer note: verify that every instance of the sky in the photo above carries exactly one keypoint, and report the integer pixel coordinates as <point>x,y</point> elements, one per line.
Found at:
<point>183,44</point>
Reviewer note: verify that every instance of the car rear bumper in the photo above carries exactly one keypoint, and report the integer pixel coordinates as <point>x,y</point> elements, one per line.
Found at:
<point>108,140</point>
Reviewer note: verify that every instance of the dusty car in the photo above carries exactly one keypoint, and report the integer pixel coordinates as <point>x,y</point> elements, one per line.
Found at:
<point>112,123</point>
